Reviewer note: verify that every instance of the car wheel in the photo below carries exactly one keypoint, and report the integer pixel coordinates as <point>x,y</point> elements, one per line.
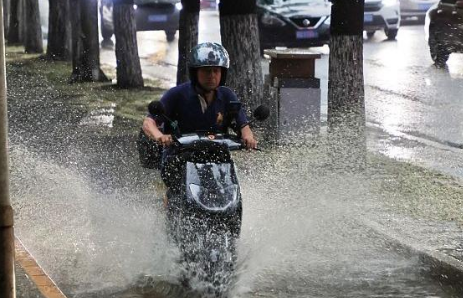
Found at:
<point>391,33</point>
<point>370,34</point>
<point>170,35</point>
<point>439,53</point>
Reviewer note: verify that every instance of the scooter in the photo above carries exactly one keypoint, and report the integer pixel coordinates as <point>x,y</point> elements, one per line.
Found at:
<point>204,204</point>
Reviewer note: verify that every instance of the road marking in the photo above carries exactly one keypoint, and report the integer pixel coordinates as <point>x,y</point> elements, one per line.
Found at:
<point>43,282</point>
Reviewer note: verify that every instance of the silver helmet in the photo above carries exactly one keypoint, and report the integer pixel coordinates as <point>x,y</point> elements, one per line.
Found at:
<point>209,54</point>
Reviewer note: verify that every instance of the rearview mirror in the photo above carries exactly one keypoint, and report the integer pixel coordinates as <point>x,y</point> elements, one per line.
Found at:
<point>156,108</point>
<point>261,113</point>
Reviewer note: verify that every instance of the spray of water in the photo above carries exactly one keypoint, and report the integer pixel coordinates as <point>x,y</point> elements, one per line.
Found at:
<point>300,230</point>
<point>87,240</point>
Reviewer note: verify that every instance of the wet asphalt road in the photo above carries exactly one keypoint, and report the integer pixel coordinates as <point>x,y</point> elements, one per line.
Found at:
<point>409,102</point>
<point>93,219</point>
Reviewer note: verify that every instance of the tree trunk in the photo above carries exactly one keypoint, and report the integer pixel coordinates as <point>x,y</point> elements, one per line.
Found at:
<point>187,37</point>
<point>33,40</point>
<point>346,98</point>
<point>59,30</point>
<point>85,47</point>
<point>22,20</point>
<point>240,36</point>
<point>6,16</point>
<point>13,28</point>
<point>128,62</point>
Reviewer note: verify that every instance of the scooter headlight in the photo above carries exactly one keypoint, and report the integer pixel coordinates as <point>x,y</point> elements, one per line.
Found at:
<point>195,191</point>
<point>178,6</point>
<point>214,199</point>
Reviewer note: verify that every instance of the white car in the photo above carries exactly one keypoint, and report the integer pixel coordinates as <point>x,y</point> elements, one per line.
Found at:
<point>382,15</point>
<point>415,8</point>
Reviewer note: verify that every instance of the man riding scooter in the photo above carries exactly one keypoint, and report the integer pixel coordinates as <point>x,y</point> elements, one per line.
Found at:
<point>203,200</point>
<point>201,103</point>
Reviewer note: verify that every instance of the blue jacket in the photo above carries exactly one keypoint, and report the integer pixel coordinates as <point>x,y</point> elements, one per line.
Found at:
<point>181,104</point>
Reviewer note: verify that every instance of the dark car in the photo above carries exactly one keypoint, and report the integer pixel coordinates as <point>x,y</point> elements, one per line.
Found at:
<point>150,15</point>
<point>158,15</point>
<point>293,23</point>
<point>444,30</point>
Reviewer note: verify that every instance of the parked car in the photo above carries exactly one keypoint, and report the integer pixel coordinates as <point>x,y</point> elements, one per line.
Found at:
<point>444,30</point>
<point>208,4</point>
<point>293,23</point>
<point>382,15</point>
<point>150,15</point>
<point>158,15</point>
<point>415,8</point>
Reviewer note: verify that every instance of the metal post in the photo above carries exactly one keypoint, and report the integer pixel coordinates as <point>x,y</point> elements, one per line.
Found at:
<point>7,282</point>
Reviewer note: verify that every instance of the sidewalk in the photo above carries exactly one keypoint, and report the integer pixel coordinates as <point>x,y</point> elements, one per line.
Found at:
<point>438,244</point>
<point>31,280</point>
<point>25,287</point>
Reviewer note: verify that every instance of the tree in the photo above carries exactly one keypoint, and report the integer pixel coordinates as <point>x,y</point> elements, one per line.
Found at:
<point>128,63</point>
<point>13,28</point>
<point>22,20</point>
<point>33,38</point>
<point>6,15</point>
<point>187,37</point>
<point>240,36</point>
<point>346,99</point>
<point>59,30</point>
<point>85,47</point>
<point>7,277</point>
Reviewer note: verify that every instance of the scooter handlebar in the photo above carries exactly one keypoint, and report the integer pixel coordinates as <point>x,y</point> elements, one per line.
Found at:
<point>188,140</point>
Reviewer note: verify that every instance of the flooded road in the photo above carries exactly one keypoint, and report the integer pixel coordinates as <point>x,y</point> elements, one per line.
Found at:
<point>94,220</point>
<point>302,235</point>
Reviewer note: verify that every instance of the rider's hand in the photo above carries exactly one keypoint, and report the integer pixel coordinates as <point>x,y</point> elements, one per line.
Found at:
<point>164,140</point>
<point>248,138</point>
<point>250,143</point>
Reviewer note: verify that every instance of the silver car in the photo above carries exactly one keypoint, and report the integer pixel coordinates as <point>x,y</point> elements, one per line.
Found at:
<point>382,15</point>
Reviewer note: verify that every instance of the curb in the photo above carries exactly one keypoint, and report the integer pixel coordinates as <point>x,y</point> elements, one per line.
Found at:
<point>37,275</point>
<point>444,268</point>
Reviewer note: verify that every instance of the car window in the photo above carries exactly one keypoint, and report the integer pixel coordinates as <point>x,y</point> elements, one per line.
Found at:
<point>448,1</point>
